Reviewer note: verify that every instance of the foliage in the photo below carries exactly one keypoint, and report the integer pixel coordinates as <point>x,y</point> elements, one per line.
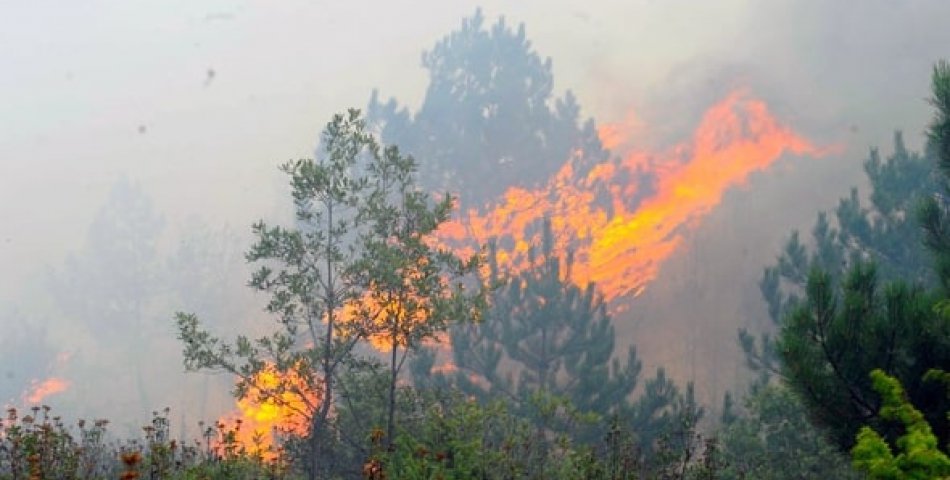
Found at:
<point>885,233</point>
<point>359,266</point>
<point>920,455</point>
<point>836,336</point>
<point>934,213</point>
<point>443,435</point>
<point>111,283</point>
<point>838,323</point>
<point>773,440</point>
<point>111,287</point>
<point>454,437</point>
<point>39,445</point>
<point>408,284</point>
<point>545,335</point>
<point>488,113</point>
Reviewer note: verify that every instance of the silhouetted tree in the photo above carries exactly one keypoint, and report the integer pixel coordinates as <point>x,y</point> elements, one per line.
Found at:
<point>488,113</point>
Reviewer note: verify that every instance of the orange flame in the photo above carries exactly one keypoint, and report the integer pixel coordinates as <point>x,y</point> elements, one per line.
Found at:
<point>278,402</point>
<point>620,228</point>
<point>40,390</point>
<point>383,314</point>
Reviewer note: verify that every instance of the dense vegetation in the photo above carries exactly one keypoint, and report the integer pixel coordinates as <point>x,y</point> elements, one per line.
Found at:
<point>515,374</point>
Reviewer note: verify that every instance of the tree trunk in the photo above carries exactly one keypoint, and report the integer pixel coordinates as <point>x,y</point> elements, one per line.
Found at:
<point>318,425</point>
<point>391,423</point>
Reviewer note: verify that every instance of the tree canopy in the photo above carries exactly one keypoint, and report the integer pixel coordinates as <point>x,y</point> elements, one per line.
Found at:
<point>489,112</point>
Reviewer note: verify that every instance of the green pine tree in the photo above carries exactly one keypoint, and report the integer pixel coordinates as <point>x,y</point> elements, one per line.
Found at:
<point>840,322</point>
<point>919,454</point>
<point>885,232</point>
<point>544,335</point>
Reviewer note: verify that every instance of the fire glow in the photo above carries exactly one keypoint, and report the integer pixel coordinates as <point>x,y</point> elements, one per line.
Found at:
<point>269,408</point>
<point>39,391</point>
<point>622,229</point>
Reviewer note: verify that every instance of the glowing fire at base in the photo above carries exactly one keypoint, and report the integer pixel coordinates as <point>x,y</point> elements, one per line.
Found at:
<point>39,391</point>
<point>273,406</point>
<point>621,227</point>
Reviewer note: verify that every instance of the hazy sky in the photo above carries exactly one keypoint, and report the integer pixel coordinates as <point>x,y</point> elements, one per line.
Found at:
<point>93,89</point>
<point>199,101</point>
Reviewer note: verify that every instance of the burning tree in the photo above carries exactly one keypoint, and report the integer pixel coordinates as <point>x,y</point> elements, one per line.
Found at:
<point>358,266</point>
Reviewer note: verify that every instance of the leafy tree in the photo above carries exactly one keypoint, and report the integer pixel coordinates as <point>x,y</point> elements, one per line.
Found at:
<point>356,266</point>
<point>920,454</point>
<point>407,282</point>
<point>488,113</point>
<point>116,289</point>
<point>545,335</point>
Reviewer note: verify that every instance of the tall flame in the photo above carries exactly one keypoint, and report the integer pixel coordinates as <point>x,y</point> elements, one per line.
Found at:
<point>621,225</point>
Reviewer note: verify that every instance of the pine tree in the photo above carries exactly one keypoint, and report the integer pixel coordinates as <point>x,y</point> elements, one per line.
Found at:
<point>934,212</point>
<point>544,335</point>
<point>886,232</point>
<point>920,455</point>
<point>875,311</point>
<point>489,112</point>
<point>842,330</point>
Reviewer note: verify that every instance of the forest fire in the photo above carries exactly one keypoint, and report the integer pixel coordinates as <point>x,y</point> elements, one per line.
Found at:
<point>40,390</point>
<point>622,219</point>
<point>273,406</point>
<point>620,227</point>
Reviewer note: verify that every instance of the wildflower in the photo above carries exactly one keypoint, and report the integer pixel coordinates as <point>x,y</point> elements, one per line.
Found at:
<point>373,470</point>
<point>131,459</point>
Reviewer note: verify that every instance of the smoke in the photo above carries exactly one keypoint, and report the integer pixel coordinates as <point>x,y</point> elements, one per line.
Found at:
<point>196,105</point>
